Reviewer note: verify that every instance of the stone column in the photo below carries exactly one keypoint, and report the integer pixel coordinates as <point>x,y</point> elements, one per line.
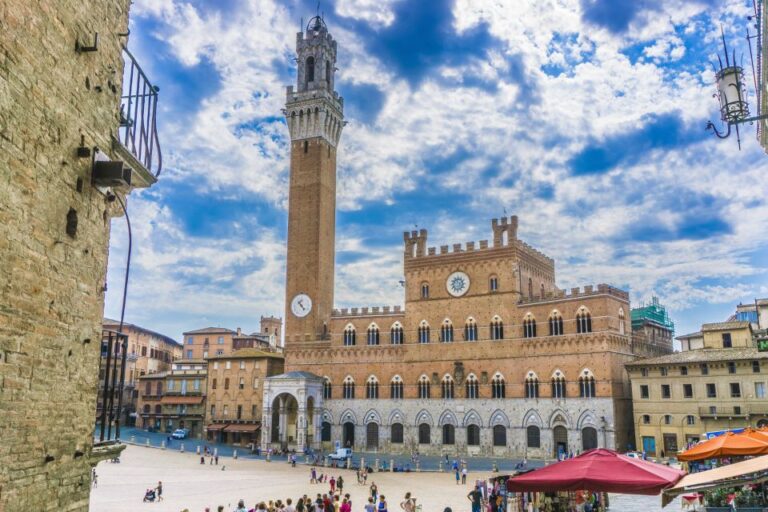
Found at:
<point>318,421</point>
<point>283,422</point>
<point>301,429</point>
<point>266,428</point>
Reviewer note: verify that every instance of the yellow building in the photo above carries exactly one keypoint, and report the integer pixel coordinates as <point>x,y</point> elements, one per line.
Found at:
<point>234,394</point>
<point>717,382</point>
<point>174,399</point>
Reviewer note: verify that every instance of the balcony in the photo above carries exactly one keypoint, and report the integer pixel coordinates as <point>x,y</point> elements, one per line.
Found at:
<point>725,411</point>
<point>137,142</point>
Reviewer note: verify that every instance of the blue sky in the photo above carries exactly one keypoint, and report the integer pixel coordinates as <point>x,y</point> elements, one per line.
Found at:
<point>583,117</point>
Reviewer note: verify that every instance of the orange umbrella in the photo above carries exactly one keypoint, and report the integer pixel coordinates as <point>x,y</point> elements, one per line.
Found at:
<point>752,433</point>
<point>727,445</point>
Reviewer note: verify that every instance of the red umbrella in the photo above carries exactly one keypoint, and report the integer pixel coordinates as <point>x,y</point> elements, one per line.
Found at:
<point>599,470</point>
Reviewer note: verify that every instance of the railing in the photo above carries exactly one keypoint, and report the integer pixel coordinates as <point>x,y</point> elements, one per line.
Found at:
<point>724,411</point>
<point>138,117</point>
<point>109,411</point>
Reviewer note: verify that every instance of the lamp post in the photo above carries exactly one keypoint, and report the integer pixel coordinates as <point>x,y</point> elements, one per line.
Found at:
<point>732,95</point>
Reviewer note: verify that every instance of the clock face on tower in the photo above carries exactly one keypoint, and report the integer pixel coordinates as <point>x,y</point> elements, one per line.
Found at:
<point>457,284</point>
<point>301,305</point>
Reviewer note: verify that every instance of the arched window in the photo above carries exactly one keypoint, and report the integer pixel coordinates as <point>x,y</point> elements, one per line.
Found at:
<point>424,434</point>
<point>423,332</point>
<point>446,331</point>
<point>558,385</point>
<point>470,330</point>
<point>493,284</point>
<point>447,388</point>
<point>497,329</point>
<point>449,434</point>
<point>159,388</point>
<point>396,334</point>
<point>327,389</point>
<point>325,432</point>
<point>372,388</point>
<point>146,408</point>
<point>328,72</point>
<point>396,388</point>
<point>349,388</point>
<point>349,335</point>
<point>472,387</point>
<point>583,321</point>
<point>555,324</point>
<point>531,386</point>
<point>586,384</point>
<point>498,387</point>
<point>529,326</point>
<point>158,409</point>
<point>310,69</point>
<point>423,387</point>
<point>499,435</point>
<point>530,288</point>
<point>424,290</point>
<point>373,334</point>
<point>622,326</point>
<point>533,436</point>
<point>473,435</point>
<point>396,434</point>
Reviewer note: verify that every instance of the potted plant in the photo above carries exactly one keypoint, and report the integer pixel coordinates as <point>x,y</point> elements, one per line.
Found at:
<point>717,500</point>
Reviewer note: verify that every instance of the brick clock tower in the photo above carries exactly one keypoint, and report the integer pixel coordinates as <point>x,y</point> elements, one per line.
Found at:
<point>315,118</point>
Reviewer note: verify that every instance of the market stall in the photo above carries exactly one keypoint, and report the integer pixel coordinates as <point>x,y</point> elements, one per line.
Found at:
<point>747,443</point>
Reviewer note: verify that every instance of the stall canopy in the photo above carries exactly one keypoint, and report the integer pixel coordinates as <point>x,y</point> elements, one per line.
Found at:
<point>733,475</point>
<point>747,443</point>
<point>598,470</point>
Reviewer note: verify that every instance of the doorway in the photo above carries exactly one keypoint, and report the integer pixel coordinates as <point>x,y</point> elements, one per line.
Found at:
<point>588,438</point>
<point>372,436</point>
<point>348,439</point>
<point>560,438</point>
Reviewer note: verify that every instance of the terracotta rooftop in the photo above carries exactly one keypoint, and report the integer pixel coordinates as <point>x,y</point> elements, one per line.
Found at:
<point>722,326</point>
<point>211,330</point>
<point>248,353</point>
<point>703,356</point>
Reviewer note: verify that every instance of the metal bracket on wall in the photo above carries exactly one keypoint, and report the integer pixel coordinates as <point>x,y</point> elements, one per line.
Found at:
<point>81,48</point>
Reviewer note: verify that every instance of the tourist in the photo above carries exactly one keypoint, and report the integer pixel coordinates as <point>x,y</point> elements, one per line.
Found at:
<point>374,491</point>
<point>240,506</point>
<point>159,491</point>
<point>94,477</point>
<point>340,484</point>
<point>408,504</point>
<point>333,484</point>
<point>349,499</point>
<point>313,475</point>
<point>370,507</point>
<point>220,508</point>
<point>383,504</point>
<point>202,459</point>
<point>346,506</point>
<point>216,458</point>
<point>456,473</point>
<point>464,475</point>
<point>475,496</point>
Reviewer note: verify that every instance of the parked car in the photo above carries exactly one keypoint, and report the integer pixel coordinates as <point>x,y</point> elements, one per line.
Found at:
<point>341,454</point>
<point>634,455</point>
<point>180,433</point>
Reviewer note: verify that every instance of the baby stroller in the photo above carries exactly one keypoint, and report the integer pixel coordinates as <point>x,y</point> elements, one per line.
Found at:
<point>149,496</point>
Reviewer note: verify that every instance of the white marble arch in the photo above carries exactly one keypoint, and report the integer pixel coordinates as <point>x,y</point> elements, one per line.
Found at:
<point>472,417</point>
<point>328,416</point>
<point>532,418</point>
<point>424,417</point>
<point>559,417</point>
<point>498,417</point>
<point>448,418</point>
<point>587,419</point>
<point>396,416</point>
<point>347,416</point>
<point>372,416</point>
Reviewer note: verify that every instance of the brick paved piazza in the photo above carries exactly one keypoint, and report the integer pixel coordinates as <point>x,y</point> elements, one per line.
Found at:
<point>188,484</point>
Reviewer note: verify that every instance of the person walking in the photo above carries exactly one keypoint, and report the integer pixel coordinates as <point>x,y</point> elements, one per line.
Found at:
<point>240,506</point>
<point>346,506</point>
<point>374,491</point>
<point>408,504</point>
<point>340,484</point>
<point>313,476</point>
<point>382,504</point>
<point>332,481</point>
<point>464,475</point>
<point>476,497</point>
<point>370,507</point>
<point>94,478</point>
<point>216,458</point>
<point>456,473</point>
<point>159,490</point>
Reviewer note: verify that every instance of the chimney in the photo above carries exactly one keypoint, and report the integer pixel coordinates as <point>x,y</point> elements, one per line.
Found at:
<point>239,331</point>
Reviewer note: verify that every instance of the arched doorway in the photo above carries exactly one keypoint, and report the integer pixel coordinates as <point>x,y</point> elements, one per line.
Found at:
<point>285,411</point>
<point>348,439</point>
<point>326,433</point>
<point>560,440</point>
<point>372,436</point>
<point>588,438</point>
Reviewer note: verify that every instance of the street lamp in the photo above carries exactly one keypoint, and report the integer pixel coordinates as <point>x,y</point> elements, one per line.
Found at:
<point>732,94</point>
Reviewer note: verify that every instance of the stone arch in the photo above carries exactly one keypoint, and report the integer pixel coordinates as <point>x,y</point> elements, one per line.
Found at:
<point>586,373</point>
<point>532,418</point>
<point>424,417</point>
<point>328,416</point>
<point>472,417</point>
<point>498,417</point>
<point>372,416</point>
<point>448,418</point>
<point>559,417</point>
<point>557,373</point>
<point>395,325</point>
<point>531,375</point>
<point>396,416</point>
<point>587,419</point>
<point>348,416</point>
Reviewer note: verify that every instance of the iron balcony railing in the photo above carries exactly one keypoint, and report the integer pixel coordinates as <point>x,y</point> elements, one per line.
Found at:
<point>138,117</point>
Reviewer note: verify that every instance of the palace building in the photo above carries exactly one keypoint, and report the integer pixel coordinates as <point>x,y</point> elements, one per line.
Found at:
<point>487,356</point>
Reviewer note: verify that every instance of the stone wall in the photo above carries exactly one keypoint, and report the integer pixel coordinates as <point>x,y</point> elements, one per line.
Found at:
<point>54,234</point>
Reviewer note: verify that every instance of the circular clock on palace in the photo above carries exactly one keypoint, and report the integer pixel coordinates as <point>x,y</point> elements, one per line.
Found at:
<point>301,305</point>
<point>457,284</point>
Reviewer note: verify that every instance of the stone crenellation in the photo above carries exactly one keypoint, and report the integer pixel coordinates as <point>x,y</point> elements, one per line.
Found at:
<point>575,293</point>
<point>369,311</point>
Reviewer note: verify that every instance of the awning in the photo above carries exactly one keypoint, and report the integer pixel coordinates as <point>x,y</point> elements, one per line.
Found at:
<point>215,427</point>
<point>733,475</point>
<point>243,427</point>
<point>598,470</point>
<point>181,400</point>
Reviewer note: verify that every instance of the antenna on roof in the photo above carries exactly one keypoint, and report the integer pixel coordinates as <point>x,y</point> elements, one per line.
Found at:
<point>318,7</point>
